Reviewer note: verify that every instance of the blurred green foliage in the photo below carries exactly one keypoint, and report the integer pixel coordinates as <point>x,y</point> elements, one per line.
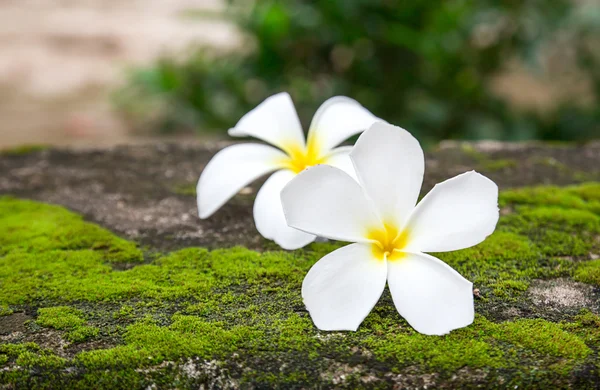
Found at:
<point>423,64</point>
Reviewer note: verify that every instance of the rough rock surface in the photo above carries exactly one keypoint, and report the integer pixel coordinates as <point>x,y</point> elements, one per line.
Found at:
<point>145,193</point>
<point>133,306</point>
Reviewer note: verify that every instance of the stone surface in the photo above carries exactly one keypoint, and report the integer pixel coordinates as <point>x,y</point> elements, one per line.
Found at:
<point>145,192</point>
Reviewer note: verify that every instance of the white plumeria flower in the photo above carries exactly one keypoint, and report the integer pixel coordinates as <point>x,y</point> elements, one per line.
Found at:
<point>276,122</point>
<point>390,234</point>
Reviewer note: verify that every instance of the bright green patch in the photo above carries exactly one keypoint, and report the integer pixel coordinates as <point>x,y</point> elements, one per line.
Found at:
<point>125,312</point>
<point>149,343</point>
<point>82,333</point>
<point>32,227</point>
<point>30,355</point>
<point>14,350</point>
<point>61,318</point>
<point>484,344</point>
<point>543,337</point>
<point>5,310</point>
<point>460,348</point>
<point>65,276</point>
<point>557,231</point>
<point>69,319</point>
<point>588,272</point>
<point>583,197</point>
<point>504,262</point>
<point>45,360</point>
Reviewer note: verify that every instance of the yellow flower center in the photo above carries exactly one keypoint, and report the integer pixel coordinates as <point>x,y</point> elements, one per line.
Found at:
<point>388,242</point>
<point>301,157</point>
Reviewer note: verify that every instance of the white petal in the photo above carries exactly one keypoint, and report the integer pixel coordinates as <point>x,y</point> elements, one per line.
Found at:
<point>338,119</point>
<point>326,202</point>
<point>340,290</point>
<point>230,170</point>
<point>275,121</point>
<point>340,158</point>
<point>389,163</point>
<point>268,214</point>
<point>429,294</point>
<point>457,213</point>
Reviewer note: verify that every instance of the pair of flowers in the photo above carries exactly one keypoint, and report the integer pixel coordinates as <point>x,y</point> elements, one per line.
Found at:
<point>367,195</point>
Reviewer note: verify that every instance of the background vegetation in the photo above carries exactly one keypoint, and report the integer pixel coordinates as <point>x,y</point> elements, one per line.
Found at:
<point>427,65</point>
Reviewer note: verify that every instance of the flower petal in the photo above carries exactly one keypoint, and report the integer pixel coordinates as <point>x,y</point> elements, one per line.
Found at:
<point>268,214</point>
<point>429,294</point>
<point>230,170</point>
<point>457,213</point>
<point>340,158</point>
<point>275,121</point>
<point>338,119</point>
<point>326,202</point>
<point>340,290</point>
<point>389,163</point>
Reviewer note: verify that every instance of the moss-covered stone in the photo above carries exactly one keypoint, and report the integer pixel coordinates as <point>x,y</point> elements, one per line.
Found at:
<point>235,316</point>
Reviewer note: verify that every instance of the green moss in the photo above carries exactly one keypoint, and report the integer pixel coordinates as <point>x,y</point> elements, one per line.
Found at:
<point>67,318</point>
<point>582,197</point>
<point>571,221</point>
<point>44,360</point>
<point>588,272</point>
<point>23,150</point>
<point>66,276</point>
<point>32,227</point>
<point>30,355</point>
<point>121,356</point>
<point>149,343</point>
<point>450,352</point>
<point>82,333</point>
<point>589,192</point>
<point>125,312</point>
<point>214,304</point>
<point>14,350</point>
<point>586,325</point>
<point>3,360</point>
<point>499,164</point>
<point>504,263</point>
<point>295,333</point>
<point>485,162</point>
<point>470,151</point>
<point>542,336</point>
<point>482,345</point>
<point>5,310</point>
<point>185,189</point>
<point>556,231</point>
<point>60,317</point>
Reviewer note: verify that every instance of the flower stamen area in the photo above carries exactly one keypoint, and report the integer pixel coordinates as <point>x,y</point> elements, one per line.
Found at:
<point>301,157</point>
<point>388,242</point>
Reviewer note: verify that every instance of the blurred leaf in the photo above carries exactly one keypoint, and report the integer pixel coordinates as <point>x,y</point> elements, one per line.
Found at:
<point>426,65</point>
